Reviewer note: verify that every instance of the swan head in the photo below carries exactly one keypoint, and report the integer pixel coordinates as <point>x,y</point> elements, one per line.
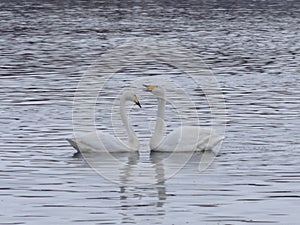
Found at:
<point>158,91</point>
<point>131,96</point>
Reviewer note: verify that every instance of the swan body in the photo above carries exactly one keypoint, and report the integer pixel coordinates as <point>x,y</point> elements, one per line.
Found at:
<point>99,141</point>
<point>186,139</point>
<point>182,139</point>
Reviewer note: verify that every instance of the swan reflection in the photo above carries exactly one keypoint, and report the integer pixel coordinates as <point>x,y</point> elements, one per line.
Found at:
<point>143,185</point>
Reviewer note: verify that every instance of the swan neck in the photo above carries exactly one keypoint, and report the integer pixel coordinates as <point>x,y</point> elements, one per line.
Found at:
<point>160,113</point>
<point>132,139</point>
<point>160,125</point>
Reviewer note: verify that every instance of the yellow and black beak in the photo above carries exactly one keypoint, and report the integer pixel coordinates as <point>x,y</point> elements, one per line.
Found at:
<point>149,88</point>
<point>136,101</point>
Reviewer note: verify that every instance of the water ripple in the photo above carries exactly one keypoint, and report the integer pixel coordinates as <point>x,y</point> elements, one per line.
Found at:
<point>251,47</point>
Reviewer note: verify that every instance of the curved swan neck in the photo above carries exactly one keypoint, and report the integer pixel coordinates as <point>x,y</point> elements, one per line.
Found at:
<point>132,139</point>
<point>160,114</point>
<point>159,126</point>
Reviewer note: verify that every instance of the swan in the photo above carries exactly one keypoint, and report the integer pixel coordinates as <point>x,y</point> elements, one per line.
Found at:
<point>182,139</point>
<point>98,141</point>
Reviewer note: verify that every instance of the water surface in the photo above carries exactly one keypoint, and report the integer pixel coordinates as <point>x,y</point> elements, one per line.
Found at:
<point>251,47</point>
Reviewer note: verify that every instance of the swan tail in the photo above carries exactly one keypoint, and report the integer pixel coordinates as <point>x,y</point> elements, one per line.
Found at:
<point>73,143</point>
<point>209,143</point>
<point>215,142</point>
<point>202,143</point>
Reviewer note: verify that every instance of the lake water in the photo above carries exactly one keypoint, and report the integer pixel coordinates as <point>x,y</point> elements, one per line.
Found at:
<point>252,48</point>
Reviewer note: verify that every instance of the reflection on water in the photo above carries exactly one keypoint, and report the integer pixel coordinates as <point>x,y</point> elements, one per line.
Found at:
<point>252,48</point>
<point>129,169</point>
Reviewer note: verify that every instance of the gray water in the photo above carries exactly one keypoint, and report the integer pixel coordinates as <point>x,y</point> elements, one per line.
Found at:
<point>251,47</point>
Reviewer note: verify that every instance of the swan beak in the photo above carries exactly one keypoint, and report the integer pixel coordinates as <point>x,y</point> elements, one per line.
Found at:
<point>149,88</point>
<point>136,101</point>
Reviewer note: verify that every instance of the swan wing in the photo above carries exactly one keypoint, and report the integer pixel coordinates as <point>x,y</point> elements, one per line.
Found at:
<point>188,138</point>
<point>98,142</point>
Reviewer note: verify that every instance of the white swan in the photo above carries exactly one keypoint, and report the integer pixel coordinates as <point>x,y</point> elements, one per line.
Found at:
<point>99,141</point>
<point>182,139</point>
